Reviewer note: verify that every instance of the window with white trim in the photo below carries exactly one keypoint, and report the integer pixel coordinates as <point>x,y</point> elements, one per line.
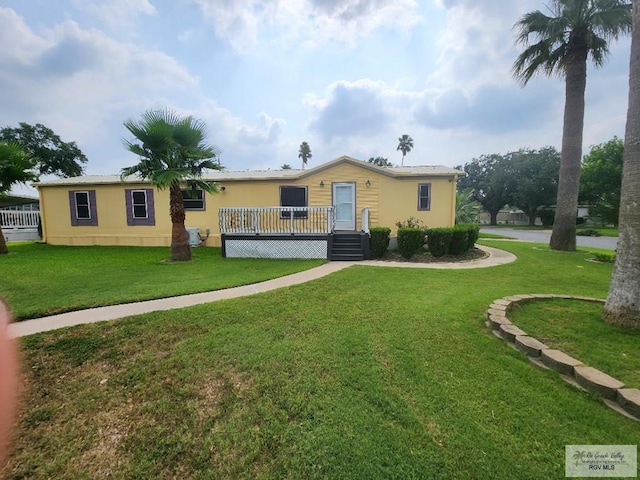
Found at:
<point>139,203</point>
<point>424,196</point>
<point>83,205</point>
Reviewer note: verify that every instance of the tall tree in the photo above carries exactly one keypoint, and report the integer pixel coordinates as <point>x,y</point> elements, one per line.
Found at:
<point>489,179</point>
<point>304,153</point>
<point>562,43</point>
<point>15,167</point>
<point>380,162</point>
<point>601,180</point>
<point>623,302</point>
<point>405,145</point>
<point>173,154</point>
<point>52,155</point>
<point>535,179</point>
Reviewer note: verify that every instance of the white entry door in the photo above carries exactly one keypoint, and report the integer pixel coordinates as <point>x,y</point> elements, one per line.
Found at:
<point>344,204</point>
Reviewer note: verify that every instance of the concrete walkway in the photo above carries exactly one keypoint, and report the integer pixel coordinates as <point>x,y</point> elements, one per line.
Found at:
<point>93,315</point>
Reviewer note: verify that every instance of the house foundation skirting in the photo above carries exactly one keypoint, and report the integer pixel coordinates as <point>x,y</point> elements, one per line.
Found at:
<point>276,246</point>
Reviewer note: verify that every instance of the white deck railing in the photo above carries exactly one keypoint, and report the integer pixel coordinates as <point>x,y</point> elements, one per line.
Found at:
<point>276,220</point>
<point>365,219</point>
<point>19,219</point>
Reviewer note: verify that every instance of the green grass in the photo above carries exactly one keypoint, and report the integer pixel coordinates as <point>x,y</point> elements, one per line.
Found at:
<point>366,373</point>
<point>578,329</point>
<point>493,235</point>
<point>39,280</point>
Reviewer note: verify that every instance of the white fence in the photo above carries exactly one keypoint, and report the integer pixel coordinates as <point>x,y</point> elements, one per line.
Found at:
<point>19,225</point>
<point>276,220</point>
<point>19,219</point>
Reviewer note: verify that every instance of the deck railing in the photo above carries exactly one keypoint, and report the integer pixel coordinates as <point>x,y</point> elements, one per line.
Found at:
<point>365,219</point>
<point>276,220</point>
<point>19,219</point>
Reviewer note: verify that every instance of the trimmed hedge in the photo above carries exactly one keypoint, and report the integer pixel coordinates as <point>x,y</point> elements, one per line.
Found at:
<point>439,240</point>
<point>473,232</point>
<point>453,241</point>
<point>410,241</point>
<point>459,240</point>
<point>379,240</point>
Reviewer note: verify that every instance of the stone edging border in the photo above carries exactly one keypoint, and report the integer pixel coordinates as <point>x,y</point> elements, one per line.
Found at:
<point>614,393</point>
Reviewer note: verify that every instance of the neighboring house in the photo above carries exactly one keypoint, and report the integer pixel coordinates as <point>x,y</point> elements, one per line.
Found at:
<point>19,216</point>
<point>515,216</point>
<point>274,213</point>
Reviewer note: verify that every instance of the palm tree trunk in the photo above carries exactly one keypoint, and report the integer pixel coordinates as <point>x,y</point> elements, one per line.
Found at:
<point>563,236</point>
<point>623,302</point>
<point>3,244</point>
<point>180,249</point>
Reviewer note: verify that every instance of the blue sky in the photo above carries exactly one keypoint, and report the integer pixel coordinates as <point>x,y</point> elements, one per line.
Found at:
<point>347,76</point>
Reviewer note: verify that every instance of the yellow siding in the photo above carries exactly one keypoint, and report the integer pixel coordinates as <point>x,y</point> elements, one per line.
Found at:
<point>389,199</point>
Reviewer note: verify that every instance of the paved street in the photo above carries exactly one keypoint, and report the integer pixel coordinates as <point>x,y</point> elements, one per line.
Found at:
<point>543,236</point>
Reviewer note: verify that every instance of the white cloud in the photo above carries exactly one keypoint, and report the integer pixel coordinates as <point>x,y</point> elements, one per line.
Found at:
<point>246,24</point>
<point>116,13</point>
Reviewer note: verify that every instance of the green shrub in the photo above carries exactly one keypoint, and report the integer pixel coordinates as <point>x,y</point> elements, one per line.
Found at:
<point>411,222</point>
<point>547,217</point>
<point>588,232</point>
<point>379,240</point>
<point>473,233</point>
<point>459,240</point>
<point>438,240</point>
<point>410,241</point>
<point>604,257</point>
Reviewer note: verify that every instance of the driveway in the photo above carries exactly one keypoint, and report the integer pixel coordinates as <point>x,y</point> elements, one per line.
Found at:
<point>543,236</point>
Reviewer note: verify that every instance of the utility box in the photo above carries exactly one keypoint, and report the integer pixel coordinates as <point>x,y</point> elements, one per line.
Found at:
<point>194,236</point>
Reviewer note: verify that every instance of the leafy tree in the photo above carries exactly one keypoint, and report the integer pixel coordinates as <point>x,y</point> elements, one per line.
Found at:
<point>405,145</point>
<point>15,167</point>
<point>489,179</point>
<point>304,153</point>
<point>52,155</point>
<point>467,209</point>
<point>172,153</point>
<point>561,43</point>
<point>601,180</point>
<point>380,161</point>
<point>285,166</point>
<point>623,302</point>
<point>535,179</point>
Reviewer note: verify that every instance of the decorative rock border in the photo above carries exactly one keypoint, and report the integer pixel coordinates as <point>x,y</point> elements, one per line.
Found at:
<point>614,393</point>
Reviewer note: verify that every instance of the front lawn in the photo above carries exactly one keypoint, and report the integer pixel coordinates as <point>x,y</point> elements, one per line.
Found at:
<point>40,280</point>
<point>370,372</point>
<point>577,329</point>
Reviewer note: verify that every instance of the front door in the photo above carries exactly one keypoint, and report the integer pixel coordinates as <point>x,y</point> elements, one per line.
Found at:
<point>344,205</point>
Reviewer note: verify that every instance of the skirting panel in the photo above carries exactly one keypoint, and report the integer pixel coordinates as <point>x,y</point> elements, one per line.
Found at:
<point>275,248</point>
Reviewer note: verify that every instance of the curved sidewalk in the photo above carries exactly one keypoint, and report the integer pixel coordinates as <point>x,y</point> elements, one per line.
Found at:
<point>93,315</point>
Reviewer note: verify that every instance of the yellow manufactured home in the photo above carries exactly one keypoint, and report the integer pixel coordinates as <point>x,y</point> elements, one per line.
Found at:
<point>254,213</point>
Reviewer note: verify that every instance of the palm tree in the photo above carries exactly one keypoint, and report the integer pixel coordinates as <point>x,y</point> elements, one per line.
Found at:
<point>623,302</point>
<point>15,167</point>
<point>467,208</point>
<point>575,31</point>
<point>304,153</point>
<point>405,144</point>
<point>172,154</point>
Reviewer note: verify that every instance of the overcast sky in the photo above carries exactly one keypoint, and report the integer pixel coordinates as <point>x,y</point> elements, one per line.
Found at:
<point>347,76</point>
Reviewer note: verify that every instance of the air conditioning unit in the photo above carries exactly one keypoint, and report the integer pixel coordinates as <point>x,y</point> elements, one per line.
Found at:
<point>194,236</point>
